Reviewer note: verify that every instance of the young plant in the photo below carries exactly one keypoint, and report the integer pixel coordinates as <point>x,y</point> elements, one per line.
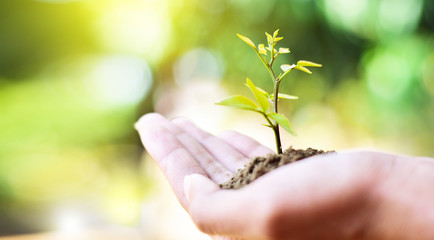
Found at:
<point>266,100</point>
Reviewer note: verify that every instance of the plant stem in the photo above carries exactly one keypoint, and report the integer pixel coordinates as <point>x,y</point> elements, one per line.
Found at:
<point>276,81</point>
<point>277,137</point>
<point>275,128</point>
<point>275,110</point>
<point>276,95</point>
<point>266,65</point>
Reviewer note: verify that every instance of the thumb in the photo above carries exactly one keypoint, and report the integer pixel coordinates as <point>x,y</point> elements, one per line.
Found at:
<point>215,211</point>
<point>197,184</point>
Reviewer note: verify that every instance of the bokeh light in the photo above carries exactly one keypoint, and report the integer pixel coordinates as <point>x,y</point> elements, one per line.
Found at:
<point>399,16</point>
<point>198,65</point>
<point>373,19</point>
<point>133,26</point>
<point>350,15</point>
<point>69,221</point>
<point>120,80</point>
<point>388,75</point>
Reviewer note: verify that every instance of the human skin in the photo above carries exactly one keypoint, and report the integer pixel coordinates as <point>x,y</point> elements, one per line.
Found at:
<point>346,195</point>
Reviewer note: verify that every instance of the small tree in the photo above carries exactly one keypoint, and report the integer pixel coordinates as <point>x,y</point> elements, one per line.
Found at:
<point>267,104</point>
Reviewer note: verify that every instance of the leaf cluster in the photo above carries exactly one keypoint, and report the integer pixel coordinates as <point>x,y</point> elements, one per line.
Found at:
<point>272,51</point>
<point>261,105</point>
<point>266,103</point>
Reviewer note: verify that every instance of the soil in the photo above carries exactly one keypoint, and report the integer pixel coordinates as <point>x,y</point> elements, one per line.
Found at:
<point>259,166</point>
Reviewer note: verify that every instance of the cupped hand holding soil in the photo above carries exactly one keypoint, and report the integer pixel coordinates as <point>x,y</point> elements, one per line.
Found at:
<point>347,195</point>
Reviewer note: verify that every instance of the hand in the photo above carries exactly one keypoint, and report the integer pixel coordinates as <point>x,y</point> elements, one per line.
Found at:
<point>350,195</point>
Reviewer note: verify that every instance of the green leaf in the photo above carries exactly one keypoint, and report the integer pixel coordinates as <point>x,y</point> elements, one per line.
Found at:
<point>262,91</point>
<point>280,76</point>
<point>277,39</point>
<point>284,50</point>
<point>282,121</point>
<point>239,101</point>
<point>304,63</point>
<point>275,33</point>
<point>247,40</point>
<point>260,97</point>
<point>270,39</point>
<point>261,49</point>
<point>284,96</point>
<point>287,67</point>
<point>301,68</point>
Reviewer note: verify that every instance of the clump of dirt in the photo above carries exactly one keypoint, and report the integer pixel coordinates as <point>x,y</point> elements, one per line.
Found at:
<point>259,166</point>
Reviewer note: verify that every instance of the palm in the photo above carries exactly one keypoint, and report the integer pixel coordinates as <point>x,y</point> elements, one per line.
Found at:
<point>335,196</point>
<point>182,149</point>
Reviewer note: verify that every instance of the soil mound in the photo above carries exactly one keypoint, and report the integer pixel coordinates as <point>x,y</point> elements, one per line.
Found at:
<point>259,166</point>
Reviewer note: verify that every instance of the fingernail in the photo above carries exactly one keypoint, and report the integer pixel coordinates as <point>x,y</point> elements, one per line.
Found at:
<point>137,124</point>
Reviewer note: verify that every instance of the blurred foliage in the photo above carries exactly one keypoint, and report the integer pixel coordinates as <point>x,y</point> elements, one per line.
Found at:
<point>75,75</point>
<point>34,34</point>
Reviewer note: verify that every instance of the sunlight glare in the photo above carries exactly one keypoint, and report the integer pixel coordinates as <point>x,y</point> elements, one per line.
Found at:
<point>69,222</point>
<point>139,27</point>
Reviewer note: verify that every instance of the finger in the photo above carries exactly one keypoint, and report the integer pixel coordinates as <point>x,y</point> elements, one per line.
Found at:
<point>246,145</point>
<point>171,156</point>
<point>213,168</point>
<point>222,151</point>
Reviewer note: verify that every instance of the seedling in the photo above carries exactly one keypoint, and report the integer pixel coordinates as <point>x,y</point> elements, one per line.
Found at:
<point>264,99</point>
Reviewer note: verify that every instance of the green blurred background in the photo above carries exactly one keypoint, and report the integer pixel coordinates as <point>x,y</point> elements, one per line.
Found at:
<point>76,75</point>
